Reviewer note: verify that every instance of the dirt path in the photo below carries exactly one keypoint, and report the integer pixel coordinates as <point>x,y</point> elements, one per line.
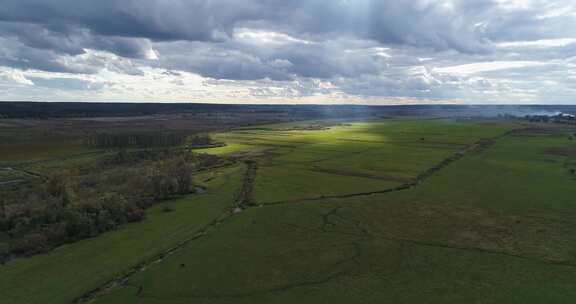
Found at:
<point>11,182</point>
<point>246,195</point>
<point>359,174</point>
<point>19,180</point>
<point>25,172</point>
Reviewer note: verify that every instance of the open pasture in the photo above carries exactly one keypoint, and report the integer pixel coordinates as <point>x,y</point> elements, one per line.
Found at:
<point>314,160</point>
<point>393,211</point>
<point>495,226</point>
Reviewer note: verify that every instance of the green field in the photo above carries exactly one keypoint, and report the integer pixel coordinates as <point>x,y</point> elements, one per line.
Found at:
<point>69,271</point>
<point>346,213</point>
<point>349,158</point>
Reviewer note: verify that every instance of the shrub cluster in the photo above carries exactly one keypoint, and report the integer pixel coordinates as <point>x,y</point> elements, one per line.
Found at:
<point>135,140</point>
<point>146,140</point>
<point>82,202</point>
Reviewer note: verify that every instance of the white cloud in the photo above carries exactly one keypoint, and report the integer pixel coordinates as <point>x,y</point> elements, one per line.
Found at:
<point>480,67</point>
<point>10,76</point>
<point>515,4</point>
<point>260,37</point>
<point>542,43</point>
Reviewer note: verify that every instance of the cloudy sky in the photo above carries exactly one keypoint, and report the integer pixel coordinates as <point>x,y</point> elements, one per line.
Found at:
<point>289,51</point>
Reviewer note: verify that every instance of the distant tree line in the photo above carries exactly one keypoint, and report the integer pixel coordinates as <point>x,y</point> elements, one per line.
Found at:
<point>137,140</point>
<point>146,140</point>
<point>84,201</point>
<point>200,140</point>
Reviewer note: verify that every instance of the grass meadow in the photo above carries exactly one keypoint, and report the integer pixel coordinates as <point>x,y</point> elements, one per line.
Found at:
<point>497,224</point>
<point>71,270</point>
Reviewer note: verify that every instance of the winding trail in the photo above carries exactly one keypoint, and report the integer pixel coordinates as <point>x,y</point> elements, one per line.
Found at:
<point>12,182</point>
<point>23,171</point>
<point>246,195</point>
<point>19,180</point>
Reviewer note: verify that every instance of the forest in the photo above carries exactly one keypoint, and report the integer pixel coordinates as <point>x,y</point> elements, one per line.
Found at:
<point>83,201</point>
<point>146,140</point>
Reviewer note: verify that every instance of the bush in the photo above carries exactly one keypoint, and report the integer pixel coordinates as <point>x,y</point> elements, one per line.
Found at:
<point>104,221</point>
<point>79,226</point>
<point>5,224</point>
<point>135,215</point>
<point>167,209</point>
<point>56,233</point>
<point>4,252</point>
<point>30,244</point>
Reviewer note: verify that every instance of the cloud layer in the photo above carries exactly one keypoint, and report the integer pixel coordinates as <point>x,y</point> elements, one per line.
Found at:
<point>476,51</point>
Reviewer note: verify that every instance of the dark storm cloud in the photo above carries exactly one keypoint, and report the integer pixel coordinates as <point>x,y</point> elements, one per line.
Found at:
<point>421,23</point>
<point>124,28</point>
<point>247,61</point>
<point>16,55</point>
<point>73,41</point>
<point>154,19</point>
<point>433,24</point>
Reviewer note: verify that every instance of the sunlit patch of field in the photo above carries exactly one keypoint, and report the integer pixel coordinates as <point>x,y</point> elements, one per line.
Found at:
<point>230,148</point>
<point>310,160</point>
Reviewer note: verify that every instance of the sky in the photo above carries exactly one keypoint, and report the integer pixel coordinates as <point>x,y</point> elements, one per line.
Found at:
<point>289,51</point>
